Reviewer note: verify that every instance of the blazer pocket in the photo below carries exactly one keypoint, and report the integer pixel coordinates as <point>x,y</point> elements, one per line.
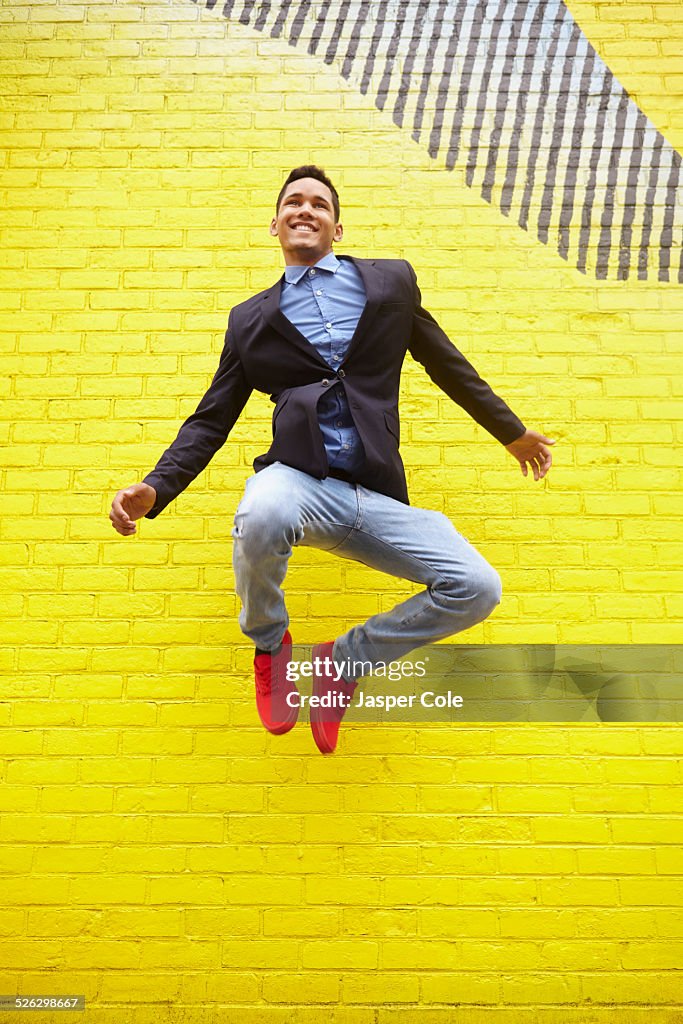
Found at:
<point>393,307</point>
<point>392,422</point>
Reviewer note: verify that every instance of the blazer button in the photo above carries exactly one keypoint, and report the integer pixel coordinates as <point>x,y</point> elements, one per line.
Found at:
<point>341,373</point>
<point>325,382</point>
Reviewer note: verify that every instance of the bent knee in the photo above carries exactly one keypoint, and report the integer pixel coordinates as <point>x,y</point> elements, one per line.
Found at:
<point>265,517</point>
<point>488,590</point>
<point>262,522</point>
<point>481,590</point>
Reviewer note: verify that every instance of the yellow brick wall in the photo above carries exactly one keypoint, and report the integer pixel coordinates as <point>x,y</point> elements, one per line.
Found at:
<point>158,851</point>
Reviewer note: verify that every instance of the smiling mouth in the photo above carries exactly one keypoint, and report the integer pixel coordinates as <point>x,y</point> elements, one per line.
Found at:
<point>304,227</point>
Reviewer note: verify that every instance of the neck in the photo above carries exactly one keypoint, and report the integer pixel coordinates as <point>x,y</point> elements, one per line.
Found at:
<point>304,260</point>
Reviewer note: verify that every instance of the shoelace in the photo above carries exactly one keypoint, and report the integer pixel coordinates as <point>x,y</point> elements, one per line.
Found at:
<point>265,685</point>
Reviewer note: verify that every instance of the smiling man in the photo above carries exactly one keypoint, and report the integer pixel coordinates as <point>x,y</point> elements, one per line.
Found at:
<point>327,342</point>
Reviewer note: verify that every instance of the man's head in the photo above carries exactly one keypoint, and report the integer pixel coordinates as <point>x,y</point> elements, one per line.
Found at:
<point>306,220</point>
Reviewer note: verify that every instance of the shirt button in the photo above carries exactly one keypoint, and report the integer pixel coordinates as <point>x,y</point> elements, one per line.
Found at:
<point>345,446</point>
<point>336,358</point>
<point>328,327</point>
<point>319,291</point>
<point>312,272</point>
<point>339,423</point>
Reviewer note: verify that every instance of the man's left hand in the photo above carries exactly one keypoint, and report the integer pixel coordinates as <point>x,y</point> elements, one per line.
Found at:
<point>531,449</point>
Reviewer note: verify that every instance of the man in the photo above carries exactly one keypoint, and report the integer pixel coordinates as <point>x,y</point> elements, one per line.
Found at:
<point>327,342</point>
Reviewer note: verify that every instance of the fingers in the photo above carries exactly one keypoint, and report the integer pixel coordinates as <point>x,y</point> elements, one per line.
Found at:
<point>123,526</point>
<point>535,464</point>
<point>125,531</point>
<point>547,462</point>
<point>118,512</point>
<point>119,517</point>
<point>532,451</point>
<point>540,462</point>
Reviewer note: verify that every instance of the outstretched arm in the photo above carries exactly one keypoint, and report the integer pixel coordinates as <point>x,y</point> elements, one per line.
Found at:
<point>198,440</point>
<point>455,375</point>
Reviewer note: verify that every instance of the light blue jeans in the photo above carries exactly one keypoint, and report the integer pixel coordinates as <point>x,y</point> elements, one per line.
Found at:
<point>283,507</point>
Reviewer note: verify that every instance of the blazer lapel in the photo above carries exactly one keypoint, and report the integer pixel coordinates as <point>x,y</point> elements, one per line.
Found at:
<point>373,279</point>
<point>276,318</point>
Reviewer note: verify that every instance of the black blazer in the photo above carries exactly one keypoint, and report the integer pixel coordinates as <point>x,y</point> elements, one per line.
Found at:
<point>264,351</point>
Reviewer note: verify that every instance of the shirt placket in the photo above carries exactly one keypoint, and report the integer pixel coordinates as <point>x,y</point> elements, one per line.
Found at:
<point>333,353</point>
<point>317,286</point>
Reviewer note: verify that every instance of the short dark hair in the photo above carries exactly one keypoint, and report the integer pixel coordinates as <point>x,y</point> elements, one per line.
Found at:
<point>310,171</point>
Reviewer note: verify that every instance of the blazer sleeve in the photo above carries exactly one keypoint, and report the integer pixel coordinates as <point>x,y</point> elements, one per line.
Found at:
<point>455,375</point>
<point>204,432</point>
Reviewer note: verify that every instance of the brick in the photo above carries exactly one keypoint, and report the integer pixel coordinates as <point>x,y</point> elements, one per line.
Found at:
<point>207,891</point>
<point>186,829</point>
<point>453,922</point>
<point>78,799</point>
<point>355,828</point>
<point>181,954</point>
<point>32,891</point>
<point>461,988</point>
<point>227,859</point>
<point>337,890</point>
<point>531,988</point>
<point>137,988</point>
<point>605,987</point>
<point>152,799</point>
<point>287,988</point>
<point>338,954</point>
<point>260,953</point>
<point>300,922</point>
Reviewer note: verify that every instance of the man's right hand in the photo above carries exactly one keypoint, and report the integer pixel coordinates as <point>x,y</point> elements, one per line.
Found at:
<point>129,504</point>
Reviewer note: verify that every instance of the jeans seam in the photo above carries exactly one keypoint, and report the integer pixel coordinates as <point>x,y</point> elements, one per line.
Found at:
<point>359,516</point>
<point>359,510</point>
<point>394,548</point>
<point>325,523</point>
<point>342,541</point>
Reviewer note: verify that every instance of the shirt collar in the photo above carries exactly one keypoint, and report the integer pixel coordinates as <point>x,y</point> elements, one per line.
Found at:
<point>295,274</point>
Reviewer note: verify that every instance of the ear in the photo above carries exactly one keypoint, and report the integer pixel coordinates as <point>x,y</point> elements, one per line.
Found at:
<point>338,233</point>
<point>273,227</point>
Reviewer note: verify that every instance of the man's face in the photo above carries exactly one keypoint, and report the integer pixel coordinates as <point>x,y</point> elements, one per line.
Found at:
<point>305,223</point>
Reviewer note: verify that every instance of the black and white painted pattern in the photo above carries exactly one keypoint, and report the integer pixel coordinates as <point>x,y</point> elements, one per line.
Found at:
<point>513,92</point>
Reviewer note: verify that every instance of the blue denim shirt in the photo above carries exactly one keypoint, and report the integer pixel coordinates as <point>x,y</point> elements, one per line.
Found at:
<point>324,303</point>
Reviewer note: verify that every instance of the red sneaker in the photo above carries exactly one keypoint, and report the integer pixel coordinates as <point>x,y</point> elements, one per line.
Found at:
<point>273,688</point>
<point>325,721</point>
